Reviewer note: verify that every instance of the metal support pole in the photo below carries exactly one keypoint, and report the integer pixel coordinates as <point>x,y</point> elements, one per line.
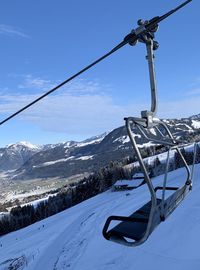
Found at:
<point>165,183</point>
<point>150,59</point>
<point>194,159</point>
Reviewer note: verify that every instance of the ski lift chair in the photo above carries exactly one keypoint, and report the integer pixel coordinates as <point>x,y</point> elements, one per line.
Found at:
<point>136,228</point>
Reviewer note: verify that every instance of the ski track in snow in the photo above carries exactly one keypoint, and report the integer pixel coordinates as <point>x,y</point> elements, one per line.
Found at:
<point>73,244</point>
<point>73,239</point>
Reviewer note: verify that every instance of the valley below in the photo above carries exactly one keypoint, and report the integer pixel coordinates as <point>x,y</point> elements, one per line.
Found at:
<point>30,172</point>
<point>20,192</point>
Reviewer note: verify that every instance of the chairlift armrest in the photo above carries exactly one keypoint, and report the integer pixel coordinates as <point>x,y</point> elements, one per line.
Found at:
<point>181,144</point>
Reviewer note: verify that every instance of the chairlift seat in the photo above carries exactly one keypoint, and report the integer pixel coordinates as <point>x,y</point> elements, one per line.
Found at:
<point>136,228</point>
<point>132,227</point>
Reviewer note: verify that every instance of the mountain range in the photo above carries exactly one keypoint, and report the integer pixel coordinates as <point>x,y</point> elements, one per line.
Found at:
<point>28,161</point>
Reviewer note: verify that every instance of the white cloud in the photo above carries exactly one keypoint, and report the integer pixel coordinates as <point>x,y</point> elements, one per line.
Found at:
<point>35,83</point>
<point>79,108</point>
<point>81,87</point>
<point>11,31</point>
<point>83,108</point>
<point>181,108</point>
<point>88,114</point>
<point>192,92</point>
<point>77,87</point>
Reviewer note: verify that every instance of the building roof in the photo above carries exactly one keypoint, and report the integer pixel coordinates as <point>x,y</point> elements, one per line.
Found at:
<point>128,183</point>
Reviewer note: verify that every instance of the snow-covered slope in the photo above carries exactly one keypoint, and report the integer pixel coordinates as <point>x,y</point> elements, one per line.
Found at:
<point>73,239</point>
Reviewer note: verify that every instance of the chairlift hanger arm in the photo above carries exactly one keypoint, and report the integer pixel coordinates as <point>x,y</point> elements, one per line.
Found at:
<point>148,27</point>
<point>135,229</point>
<point>151,25</point>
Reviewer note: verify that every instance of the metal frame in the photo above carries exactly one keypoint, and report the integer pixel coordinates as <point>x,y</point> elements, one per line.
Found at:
<point>160,209</point>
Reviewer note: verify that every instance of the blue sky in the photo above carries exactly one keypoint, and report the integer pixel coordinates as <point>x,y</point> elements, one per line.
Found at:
<point>44,42</point>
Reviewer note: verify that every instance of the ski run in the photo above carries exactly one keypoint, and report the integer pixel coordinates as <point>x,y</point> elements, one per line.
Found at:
<point>73,238</point>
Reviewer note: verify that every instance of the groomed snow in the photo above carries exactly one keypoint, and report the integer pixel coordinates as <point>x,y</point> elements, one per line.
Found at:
<point>81,144</point>
<point>85,157</point>
<point>73,239</point>
<point>49,163</point>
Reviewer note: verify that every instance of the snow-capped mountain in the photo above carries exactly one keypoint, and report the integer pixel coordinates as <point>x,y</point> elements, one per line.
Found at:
<point>15,155</point>
<point>71,158</point>
<point>73,238</point>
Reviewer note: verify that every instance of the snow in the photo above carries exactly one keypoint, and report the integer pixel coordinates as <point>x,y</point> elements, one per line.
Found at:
<point>25,144</point>
<point>21,194</point>
<point>49,163</point>
<point>69,144</point>
<point>73,238</point>
<point>150,160</point>
<point>85,157</point>
<point>146,144</point>
<point>122,139</point>
<point>196,124</point>
<point>138,175</point>
<point>36,202</point>
<point>162,157</point>
<point>189,128</point>
<point>81,144</point>
<point>92,140</point>
<point>183,124</point>
<point>125,139</point>
<point>152,130</point>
